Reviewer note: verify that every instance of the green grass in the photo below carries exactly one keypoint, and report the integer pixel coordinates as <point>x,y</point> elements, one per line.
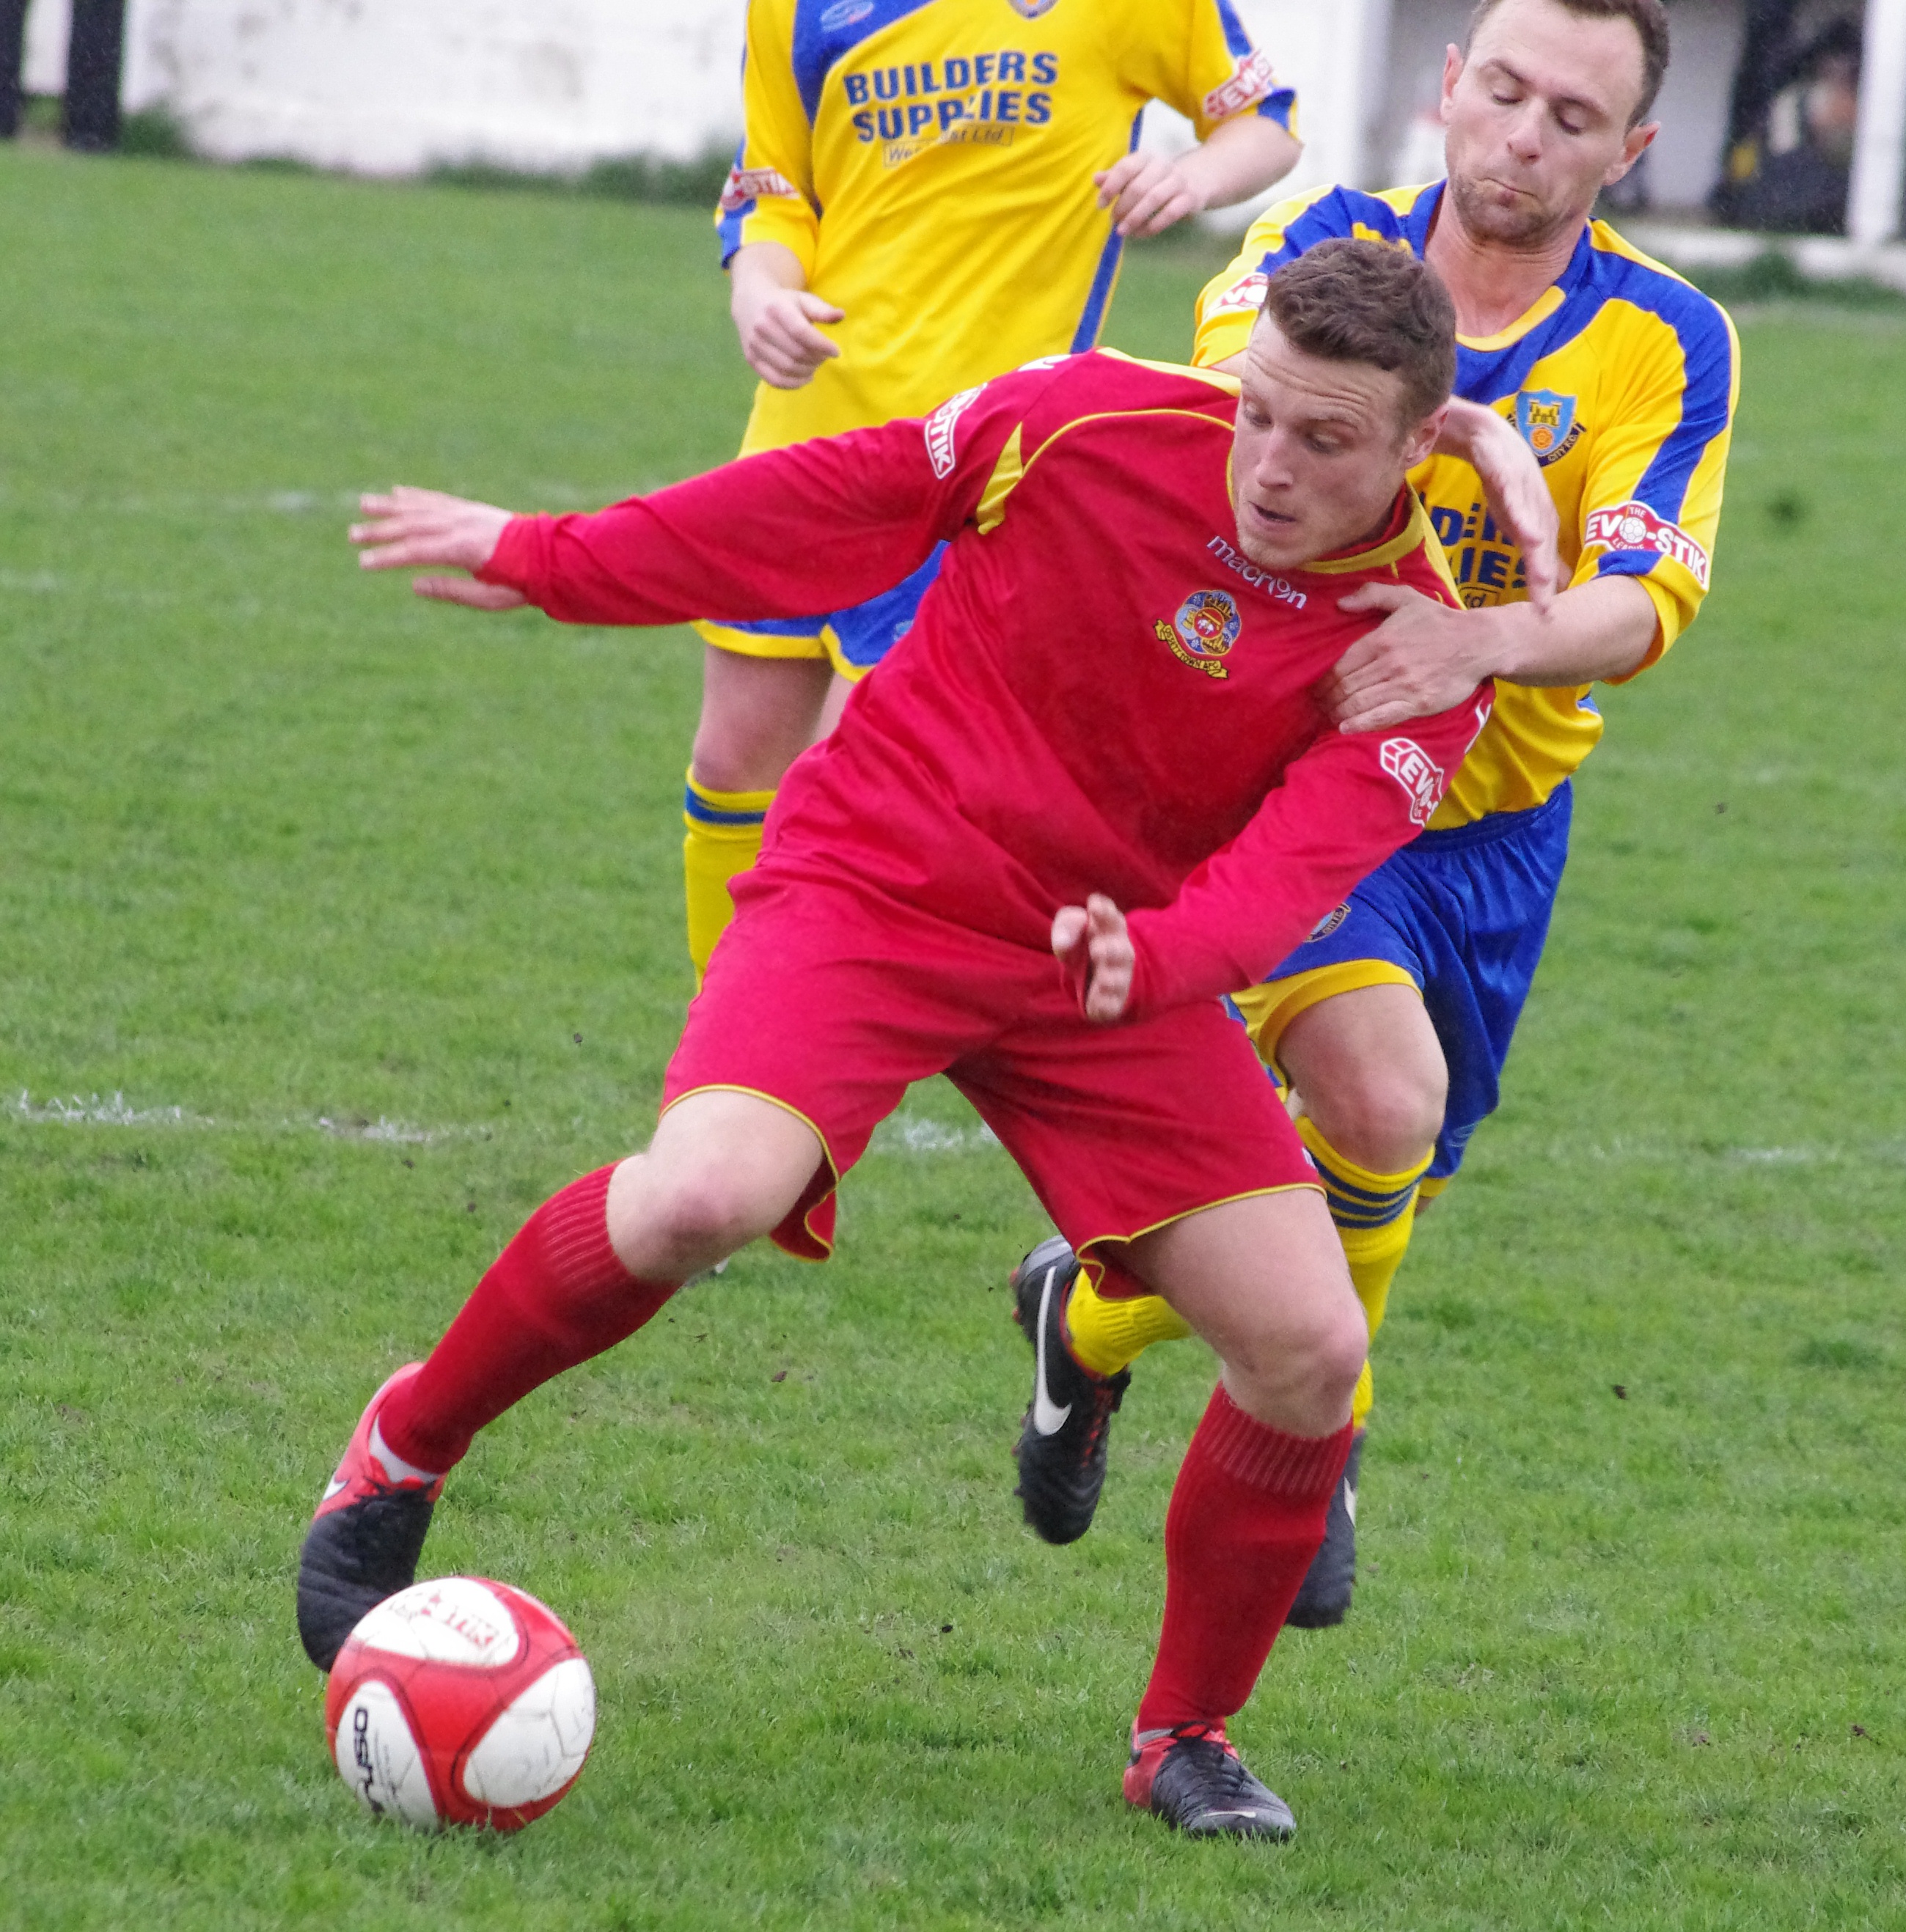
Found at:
<point>280,848</point>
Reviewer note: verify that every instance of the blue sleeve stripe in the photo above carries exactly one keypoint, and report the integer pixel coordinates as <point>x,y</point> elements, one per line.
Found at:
<point>1707,365</point>
<point>728,225</point>
<point>1277,105</point>
<point>1338,213</point>
<point>1235,38</point>
<point>1627,563</point>
<point>1105,276</point>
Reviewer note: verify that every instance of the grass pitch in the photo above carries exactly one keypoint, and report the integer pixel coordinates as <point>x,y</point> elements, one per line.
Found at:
<point>339,929</point>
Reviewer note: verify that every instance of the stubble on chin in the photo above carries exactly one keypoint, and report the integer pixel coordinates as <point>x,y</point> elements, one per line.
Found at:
<point>1254,548</point>
<point>1523,226</point>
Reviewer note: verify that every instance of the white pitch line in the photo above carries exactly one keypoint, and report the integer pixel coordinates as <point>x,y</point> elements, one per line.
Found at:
<point>899,1134</point>
<point>382,1129</point>
<point>72,1111</point>
<point>95,1111</point>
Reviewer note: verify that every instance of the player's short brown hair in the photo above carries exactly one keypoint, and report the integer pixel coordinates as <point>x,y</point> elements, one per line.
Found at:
<point>1649,18</point>
<point>1366,301</point>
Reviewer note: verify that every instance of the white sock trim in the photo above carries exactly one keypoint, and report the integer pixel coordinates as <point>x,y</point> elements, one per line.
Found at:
<point>396,1467</point>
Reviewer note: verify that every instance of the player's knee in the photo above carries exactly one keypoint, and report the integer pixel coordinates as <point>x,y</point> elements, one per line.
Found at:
<point>702,1217</point>
<point>732,758</point>
<point>1338,1353</point>
<point>757,715</point>
<point>1315,1358</point>
<point>1385,1119</point>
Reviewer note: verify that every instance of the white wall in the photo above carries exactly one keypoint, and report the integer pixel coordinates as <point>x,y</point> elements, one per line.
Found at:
<point>43,69</point>
<point>1693,108</point>
<point>389,86</point>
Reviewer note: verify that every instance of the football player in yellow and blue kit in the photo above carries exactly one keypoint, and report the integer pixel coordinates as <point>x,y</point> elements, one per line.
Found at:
<point>1391,1023</point>
<point>929,193</point>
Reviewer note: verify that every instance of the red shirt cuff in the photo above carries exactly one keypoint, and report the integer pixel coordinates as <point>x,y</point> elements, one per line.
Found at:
<point>513,563</point>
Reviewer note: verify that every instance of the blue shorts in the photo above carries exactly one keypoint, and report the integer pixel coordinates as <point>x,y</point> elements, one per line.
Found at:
<point>1464,915</point>
<point>853,641</point>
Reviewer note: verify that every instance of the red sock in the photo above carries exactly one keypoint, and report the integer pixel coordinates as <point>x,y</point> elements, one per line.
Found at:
<point>1246,1518</point>
<point>556,1295</point>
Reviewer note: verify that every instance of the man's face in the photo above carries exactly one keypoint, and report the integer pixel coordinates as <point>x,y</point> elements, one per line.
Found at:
<point>1320,451</point>
<point>1537,117</point>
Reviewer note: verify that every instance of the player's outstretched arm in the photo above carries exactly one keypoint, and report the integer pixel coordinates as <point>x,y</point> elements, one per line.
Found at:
<point>1092,946</point>
<point>409,529</point>
<point>775,314</point>
<point>1148,193</point>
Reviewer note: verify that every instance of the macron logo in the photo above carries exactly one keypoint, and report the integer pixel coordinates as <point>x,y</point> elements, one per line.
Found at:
<point>939,428</point>
<point>1418,774</point>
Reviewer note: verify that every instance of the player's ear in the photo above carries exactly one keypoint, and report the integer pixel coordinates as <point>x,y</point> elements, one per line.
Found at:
<point>1453,63</point>
<point>1640,140</point>
<point>1419,440</point>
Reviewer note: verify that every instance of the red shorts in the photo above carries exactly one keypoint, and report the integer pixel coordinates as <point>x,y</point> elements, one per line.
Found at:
<point>832,1000</point>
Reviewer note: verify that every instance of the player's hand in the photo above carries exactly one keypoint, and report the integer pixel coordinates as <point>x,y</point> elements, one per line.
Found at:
<point>408,528</point>
<point>1512,481</point>
<point>1091,944</point>
<point>776,326</point>
<point>1423,659</point>
<point>1147,193</point>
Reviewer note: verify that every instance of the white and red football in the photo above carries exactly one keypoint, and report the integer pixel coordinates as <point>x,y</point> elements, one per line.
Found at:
<point>459,1702</point>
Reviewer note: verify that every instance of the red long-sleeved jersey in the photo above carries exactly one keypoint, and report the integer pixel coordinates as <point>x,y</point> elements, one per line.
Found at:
<point>1101,693</point>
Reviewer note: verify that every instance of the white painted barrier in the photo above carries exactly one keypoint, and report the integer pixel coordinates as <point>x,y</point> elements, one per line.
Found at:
<point>390,86</point>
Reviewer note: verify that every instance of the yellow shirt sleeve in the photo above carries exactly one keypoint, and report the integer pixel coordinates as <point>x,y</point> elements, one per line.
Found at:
<point>1228,304</point>
<point>769,195</point>
<point>1196,56</point>
<point>1651,500</point>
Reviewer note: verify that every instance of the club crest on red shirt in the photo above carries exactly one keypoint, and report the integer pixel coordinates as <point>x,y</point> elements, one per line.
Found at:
<point>1203,632</point>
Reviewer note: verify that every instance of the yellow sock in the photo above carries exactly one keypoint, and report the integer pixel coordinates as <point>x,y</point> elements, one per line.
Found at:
<point>1108,1335</point>
<point>723,838</point>
<point>1376,1214</point>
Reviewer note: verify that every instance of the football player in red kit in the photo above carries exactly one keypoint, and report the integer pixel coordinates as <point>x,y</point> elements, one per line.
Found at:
<point>1098,742</point>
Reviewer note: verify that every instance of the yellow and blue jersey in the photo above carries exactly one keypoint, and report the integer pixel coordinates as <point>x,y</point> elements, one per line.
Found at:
<point>930,163</point>
<point>1622,379</point>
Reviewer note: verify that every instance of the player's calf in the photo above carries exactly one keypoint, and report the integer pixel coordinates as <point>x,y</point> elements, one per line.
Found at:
<point>587,1269</point>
